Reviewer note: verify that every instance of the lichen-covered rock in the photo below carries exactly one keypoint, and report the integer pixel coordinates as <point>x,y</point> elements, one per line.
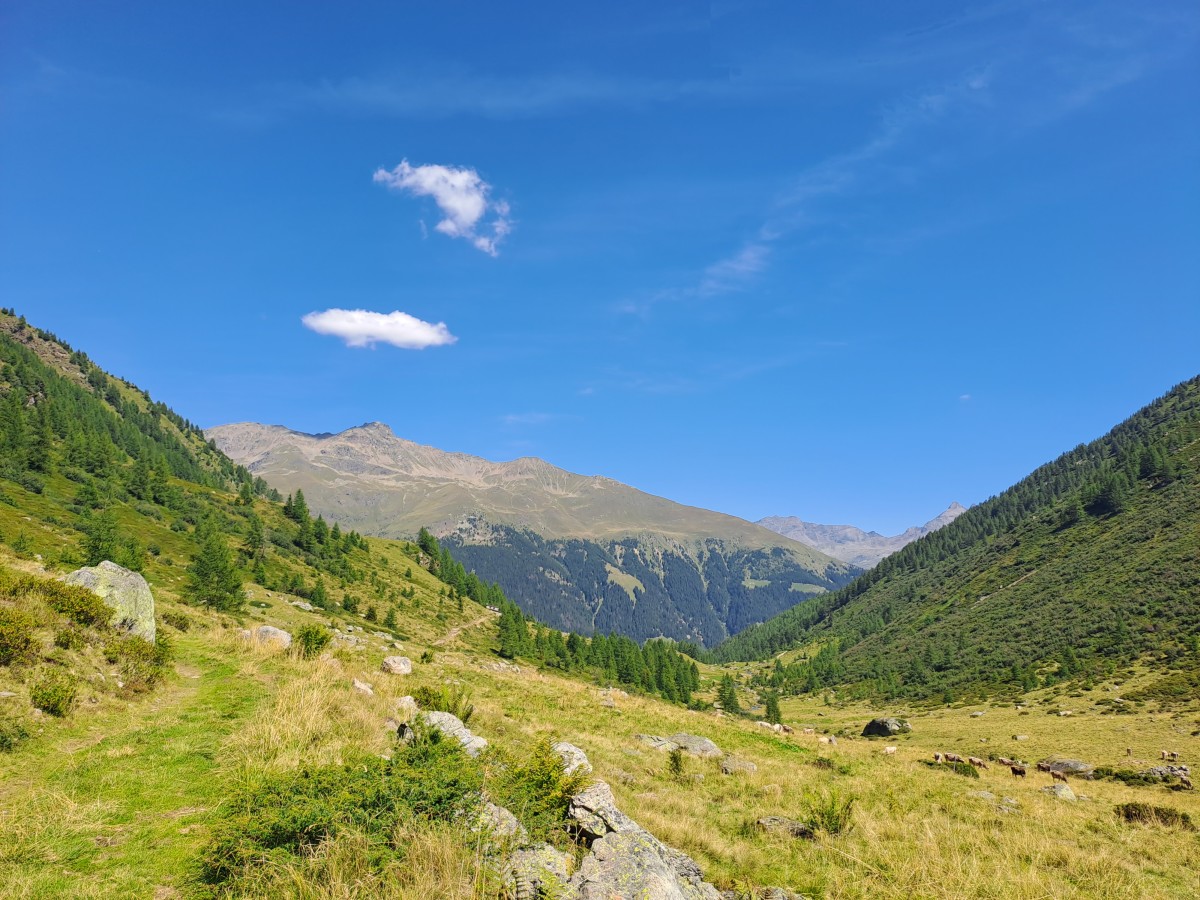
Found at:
<point>397,665</point>
<point>657,742</point>
<point>126,593</point>
<point>574,759</point>
<point>632,865</point>
<point>452,726</point>
<point>886,726</point>
<point>697,746</point>
<point>500,823</point>
<point>1061,791</point>
<point>594,812</point>
<point>1068,766</point>
<point>266,634</point>
<point>538,871</point>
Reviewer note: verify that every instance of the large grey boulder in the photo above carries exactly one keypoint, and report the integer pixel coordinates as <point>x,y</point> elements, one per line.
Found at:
<point>1068,766</point>
<point>697,746</point>
<point>452,726</point>
<point>632,865</point>
<point>886,726</point>
<point>126,593</point>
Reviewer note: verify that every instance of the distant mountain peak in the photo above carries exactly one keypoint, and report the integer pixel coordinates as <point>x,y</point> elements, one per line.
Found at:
<point>850,543</point>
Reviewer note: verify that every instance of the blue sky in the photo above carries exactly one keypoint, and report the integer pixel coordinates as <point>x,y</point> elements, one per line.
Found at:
<point>846,261</point>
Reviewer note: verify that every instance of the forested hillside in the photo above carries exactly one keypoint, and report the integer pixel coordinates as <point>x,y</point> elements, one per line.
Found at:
<point>641,586</point>
<point>1090,562</point>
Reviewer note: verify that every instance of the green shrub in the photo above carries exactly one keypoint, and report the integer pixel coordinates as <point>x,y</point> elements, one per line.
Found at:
<point>17,640</point>
<point>142,663</point>
<point>77,603</point>
<point>454,699</point>
<point>53,692</point>
<point>427,656</point>
<point>1147,814</point>
<point>828,812</point>
<point>675,764</point>
<point>536,790</point>
<point>12,733</point>
<point>177,620</point>
<point>285,817</point>
<point>69,638</point>
<point>311,640</point>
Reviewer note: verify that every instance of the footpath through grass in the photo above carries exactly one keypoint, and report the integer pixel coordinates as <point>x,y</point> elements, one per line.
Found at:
<point>109,805</point>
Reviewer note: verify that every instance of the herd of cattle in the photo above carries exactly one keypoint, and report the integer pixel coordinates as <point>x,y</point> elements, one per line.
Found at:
<point>1020,769</point>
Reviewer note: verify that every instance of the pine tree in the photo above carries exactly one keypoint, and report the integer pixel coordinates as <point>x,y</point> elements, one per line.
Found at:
<point>727,695</point>
<point>773,715</point>
<point>212,578</point>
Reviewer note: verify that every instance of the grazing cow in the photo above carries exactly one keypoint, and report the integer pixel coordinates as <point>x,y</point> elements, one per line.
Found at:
<point>954,757</point>
<point>1058,776</point>
<point>787,729</point>
<point>810,731</point>
<point>1129,751</point>
<point>1018,771</point>
<point>1005,761</point>
<point>827,740</point>
<point>1174,756</point>
<point>888,751</point>
<point>1043,767</point>
<point>1186,782</point>
<point>1162,754</point>
<point>939,757</point>
<point>977,762</point>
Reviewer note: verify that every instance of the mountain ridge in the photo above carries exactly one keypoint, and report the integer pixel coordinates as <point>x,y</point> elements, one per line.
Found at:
<point>852,544</point>
<point>567,547</point>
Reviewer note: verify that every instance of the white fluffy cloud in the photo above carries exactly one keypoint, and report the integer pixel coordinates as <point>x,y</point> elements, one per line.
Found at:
<point>362,328</point>
<point>461,195</point>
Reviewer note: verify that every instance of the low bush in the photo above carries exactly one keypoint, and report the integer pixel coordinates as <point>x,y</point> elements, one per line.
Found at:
<point>311,640</point>
<point>829,812</point>
<point>12,733</point>
<point>536,790</point>
<point>177,620</point>
<point>69,638</point>
<point>1147,814</point>
<point>17,639</point>
<point>142,663</point>
<point>287,817</point>
<point>53,692</point>
<point>77,603</point>
<point>454,699</point>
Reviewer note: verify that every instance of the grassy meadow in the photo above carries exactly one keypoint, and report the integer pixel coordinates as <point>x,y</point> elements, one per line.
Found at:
<point>119,799</point>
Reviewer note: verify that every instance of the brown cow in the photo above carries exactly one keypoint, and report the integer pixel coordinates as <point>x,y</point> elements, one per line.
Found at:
<point>1043,767</point>
<point>954,757</point>
<point>1018,770</point>
<point>1162,754</point>
<point>1059,776</point>
<point>1174,756</point>
<point>1005,761</point>
<point>977,762</point>
<point>939,757</point>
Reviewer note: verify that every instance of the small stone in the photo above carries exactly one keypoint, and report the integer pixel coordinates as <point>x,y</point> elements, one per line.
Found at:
<point>982,795</point>
<point>363,687</point>
<point>976,714</point>
<point>783,825</point>
<point>406,708</point>
<point>1020,737</point>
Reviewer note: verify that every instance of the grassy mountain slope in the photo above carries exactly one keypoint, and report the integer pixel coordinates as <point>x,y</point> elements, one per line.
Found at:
<point>580,553</point>
<point>1091,561</point>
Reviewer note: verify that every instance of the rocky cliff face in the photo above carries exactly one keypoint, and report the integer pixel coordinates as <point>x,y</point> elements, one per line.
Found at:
<point>853,545</point>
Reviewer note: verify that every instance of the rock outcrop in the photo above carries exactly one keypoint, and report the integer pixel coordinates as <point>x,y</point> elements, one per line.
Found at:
<point>689,743</point>
<point>886,726</point>
<point>452,726</point>
<point>126,593</point>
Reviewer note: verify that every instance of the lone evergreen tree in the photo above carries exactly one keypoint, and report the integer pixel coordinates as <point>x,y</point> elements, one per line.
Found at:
<point>773,715</point>
<point>727,695</point>
<point>212,578</point>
